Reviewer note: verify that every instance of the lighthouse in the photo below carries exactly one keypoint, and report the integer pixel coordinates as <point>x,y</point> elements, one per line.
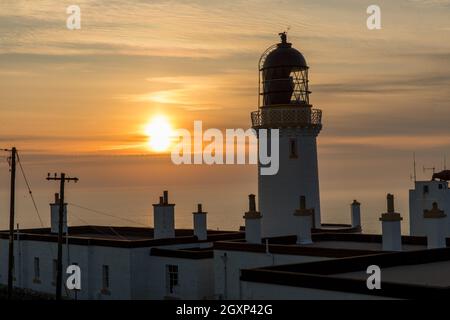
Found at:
<point>283,104</point>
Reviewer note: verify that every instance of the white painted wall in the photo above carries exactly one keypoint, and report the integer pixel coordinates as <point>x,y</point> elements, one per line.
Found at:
<point>195,276</point>
<point>420,201</point>
<point>227,270</point>
<point>253,230</point>
<point>391,235</point>
<point>133,273</point>
<point>89,258</point>
<point>279,194</point>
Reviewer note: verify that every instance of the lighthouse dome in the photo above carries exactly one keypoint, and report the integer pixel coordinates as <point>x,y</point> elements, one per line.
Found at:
<point>284,56</point>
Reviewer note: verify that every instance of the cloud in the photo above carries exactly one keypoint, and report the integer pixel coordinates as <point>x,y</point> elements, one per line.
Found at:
<point>196,93</point>
<point>386,85</point>
<point>439,3</point>
<point>389,142</point>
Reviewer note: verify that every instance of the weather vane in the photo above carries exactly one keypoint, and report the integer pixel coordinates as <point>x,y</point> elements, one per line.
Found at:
<point>283,35</point>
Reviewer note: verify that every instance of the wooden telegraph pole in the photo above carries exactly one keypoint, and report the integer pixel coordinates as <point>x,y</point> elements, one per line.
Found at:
<point>62,179</point>
<point>12,163</point>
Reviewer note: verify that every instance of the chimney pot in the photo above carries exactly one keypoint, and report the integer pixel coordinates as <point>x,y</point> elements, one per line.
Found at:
<point>200,223</point>
<point>355,214</point>
<point>391,227</point>
<point>54,215</point>
<point>163,218</point>
<point>251,203</point>
<point>166,197</point>
<point>252,222</point>
<point>390,203</point>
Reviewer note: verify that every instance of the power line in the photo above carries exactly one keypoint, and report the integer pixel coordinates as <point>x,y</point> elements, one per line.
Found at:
<point>118,234</point>
<point>32,198</point>
<point>29,190</point>
<point>99,230</point>
<point>106,214</point>
<point>34,202</point>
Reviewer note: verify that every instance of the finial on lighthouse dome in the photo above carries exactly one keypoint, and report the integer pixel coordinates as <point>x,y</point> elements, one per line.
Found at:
<point>283,36</point>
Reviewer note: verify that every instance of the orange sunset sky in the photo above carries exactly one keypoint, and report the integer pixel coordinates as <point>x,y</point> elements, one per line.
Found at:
<point>80,100</point>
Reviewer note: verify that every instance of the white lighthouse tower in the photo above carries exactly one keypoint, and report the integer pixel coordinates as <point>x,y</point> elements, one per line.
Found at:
<point>284,105</point>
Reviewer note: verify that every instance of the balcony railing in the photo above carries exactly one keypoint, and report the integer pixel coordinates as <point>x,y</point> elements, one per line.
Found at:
<point>287,117</point>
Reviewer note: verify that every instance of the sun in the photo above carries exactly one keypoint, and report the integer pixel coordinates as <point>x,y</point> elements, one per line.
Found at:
<point>159,132</point>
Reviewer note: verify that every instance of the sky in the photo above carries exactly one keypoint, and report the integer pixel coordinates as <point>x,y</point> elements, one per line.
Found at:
<point>79,100</point>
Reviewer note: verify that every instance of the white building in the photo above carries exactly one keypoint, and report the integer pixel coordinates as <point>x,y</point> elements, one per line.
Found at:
<point>404,275</point>
<point>116,262</point>
<point>286,252</point>
<point>421,198</point>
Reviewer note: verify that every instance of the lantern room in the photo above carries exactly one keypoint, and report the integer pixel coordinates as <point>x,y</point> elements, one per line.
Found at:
<point>283,76</point>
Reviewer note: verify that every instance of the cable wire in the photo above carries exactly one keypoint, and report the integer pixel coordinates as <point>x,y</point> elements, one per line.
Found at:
<point>52,253</point>
<point>29,190</point>
<point>97,229</point>
<point>107,214</point>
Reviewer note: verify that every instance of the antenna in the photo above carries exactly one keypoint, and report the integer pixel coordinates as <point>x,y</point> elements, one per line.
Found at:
<point>414,163</point>
<point>445,162</point>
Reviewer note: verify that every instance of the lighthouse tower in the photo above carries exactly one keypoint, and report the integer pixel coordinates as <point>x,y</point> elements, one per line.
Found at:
<point>284,105</point>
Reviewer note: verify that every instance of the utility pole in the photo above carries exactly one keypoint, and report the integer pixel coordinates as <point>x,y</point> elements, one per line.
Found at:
<point>62,179</point>
<point>11,220</point>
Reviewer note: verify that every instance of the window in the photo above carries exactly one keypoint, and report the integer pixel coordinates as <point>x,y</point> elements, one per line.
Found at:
<point>440,185</point>
<point>172,277</point>
<point>425,189</point>
<point>293,148</point>
<point>105,277</point>
<point>37,269</point>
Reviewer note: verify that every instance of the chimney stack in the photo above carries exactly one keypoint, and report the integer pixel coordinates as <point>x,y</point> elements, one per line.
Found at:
<point>200,226</point>
<point>356,214</point>
<point>304,222</point>
<point>54,215</point>
<point>163,218</point>
<point>391,226</point>
<point>252,222</point>
<point>435,227</point>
